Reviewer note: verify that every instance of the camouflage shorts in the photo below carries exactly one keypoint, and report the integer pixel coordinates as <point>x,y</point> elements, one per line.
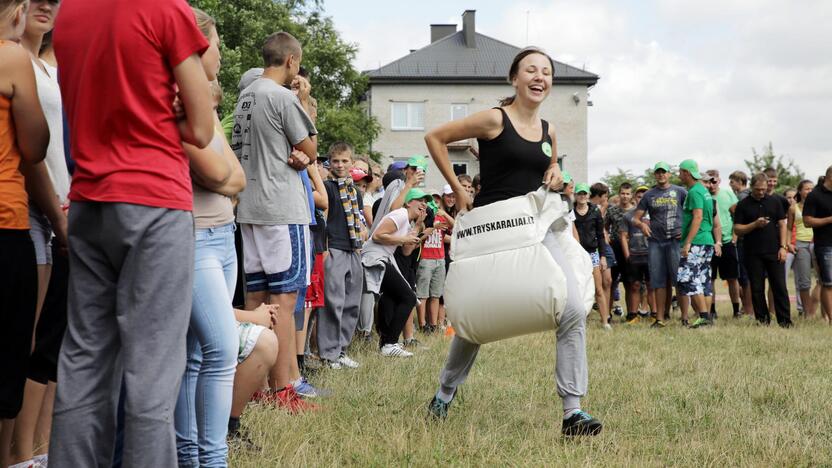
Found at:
<point>694,275</point>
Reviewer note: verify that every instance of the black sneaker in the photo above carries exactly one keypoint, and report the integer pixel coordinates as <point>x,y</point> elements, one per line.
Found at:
<point>581,424</point>
<point>238,441</point>
<point>438,409</point>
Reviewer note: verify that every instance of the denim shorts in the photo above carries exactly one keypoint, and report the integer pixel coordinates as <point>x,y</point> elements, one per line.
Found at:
<point>663,261</point>
<point>694,275</point>
<point>824,257</point>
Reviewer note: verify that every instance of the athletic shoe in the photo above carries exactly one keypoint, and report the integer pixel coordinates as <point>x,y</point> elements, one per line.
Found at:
<point>395,350</point>
<point>307,390</point>
<point>737,315</point>
<point>635,319</point>
<point>335,365</point>
<point>238,441</point>
<point>643,313</point>
<point>289,400</point>
<point>413,343</point>
<point>438,409</point>
<point>617,311</point>
<point>674,303</point>
<point>657,324</point>
<point>607,327</point>
<point>581,424</point>
<point>345,361</point>
<point>714,316</point>
<point>701,322</point>
<point>685,323</point>
<point>595,306</point>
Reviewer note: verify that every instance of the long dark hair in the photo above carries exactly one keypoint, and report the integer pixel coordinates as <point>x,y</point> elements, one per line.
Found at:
<point>797,196</point>
<point>515,66</point>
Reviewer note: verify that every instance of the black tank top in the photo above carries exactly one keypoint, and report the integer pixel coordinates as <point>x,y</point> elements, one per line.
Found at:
<point>510,165</point>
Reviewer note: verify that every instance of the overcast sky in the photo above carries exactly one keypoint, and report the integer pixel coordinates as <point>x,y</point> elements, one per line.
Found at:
<point>705,79</point>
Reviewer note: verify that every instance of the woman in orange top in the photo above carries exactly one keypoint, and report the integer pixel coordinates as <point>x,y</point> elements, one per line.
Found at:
<point>24,137</point>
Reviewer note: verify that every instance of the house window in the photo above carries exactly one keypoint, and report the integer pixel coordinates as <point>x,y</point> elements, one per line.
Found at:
<point>459,111</point>
<point>407,116</point>
<point>460,168</point>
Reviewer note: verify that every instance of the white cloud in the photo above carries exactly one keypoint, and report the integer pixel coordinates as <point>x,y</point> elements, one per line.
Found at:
<point>707,79</point>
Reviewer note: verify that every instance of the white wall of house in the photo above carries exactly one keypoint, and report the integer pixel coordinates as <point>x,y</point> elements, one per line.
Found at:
<point>560,109</point>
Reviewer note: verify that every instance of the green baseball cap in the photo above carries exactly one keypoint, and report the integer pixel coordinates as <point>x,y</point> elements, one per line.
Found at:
<point>691,166</point>
<point>583,187</point>
<point>415,194</point>
<point>661,165</point>
<point>566,177</point>
<point>418,161</point>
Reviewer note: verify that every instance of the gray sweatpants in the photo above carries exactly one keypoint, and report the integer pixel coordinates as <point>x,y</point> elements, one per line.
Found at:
<point>342,297</point>
<point>366,312</point>
<point>130,288</point>
<point>571,374</point>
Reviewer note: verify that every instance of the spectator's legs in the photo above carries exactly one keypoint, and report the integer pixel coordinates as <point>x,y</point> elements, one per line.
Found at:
<point>365,317</point>
<point>354,281</point>
<point>755,267</point>
<point>433,311</point>
<point>824,260</point>
<point>126,286</point>
<point>280,375</point>
<point>777,281</point>
<point>252,373</point>
<point>658,275</point>
<point>337,266</point>
<point>395,306</point>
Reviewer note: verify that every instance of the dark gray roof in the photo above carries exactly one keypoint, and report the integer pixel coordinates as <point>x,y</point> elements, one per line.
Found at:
<point>448,60</point>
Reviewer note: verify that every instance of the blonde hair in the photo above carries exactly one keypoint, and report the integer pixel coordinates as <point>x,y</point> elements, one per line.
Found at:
<point>204,21</point>
<point>216,92</point>
<point>7,8</point>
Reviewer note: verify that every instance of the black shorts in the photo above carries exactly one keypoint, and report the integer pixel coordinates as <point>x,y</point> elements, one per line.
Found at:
<point>728,265</point>
<point>636,272</point>
<point>18,300</point>
<point>43,365</point>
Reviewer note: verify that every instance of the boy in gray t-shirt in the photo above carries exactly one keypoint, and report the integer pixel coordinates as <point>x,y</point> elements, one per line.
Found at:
<point>274,139</point>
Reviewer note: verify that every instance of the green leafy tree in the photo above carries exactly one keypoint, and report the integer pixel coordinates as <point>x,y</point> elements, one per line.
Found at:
<point>613,181</point>
<point>788,172</point>
<point>338,87</point>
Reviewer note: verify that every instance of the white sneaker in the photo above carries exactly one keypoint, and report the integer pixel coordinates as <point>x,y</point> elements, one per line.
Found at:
<point>607,326</point>
<point>395,350</point>
<point>346,361</point>
<point>335,365</point>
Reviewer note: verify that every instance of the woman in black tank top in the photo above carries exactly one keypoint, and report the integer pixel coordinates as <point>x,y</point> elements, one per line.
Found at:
<point>517,154</point>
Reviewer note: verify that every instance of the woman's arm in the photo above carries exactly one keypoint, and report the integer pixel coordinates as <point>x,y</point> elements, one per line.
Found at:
<point>485,125</point>
<point>318,188</point>
<point>31,129</point>
<point>553,178</point>
<point>385,235</point>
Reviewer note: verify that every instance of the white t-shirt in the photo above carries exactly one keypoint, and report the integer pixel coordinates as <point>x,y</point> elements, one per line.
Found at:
<point>49,95</point>
<point>402,222</point>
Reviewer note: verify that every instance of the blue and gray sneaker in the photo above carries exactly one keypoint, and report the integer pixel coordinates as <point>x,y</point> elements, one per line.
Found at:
<point>438,409</point>
<point>581,424</point>
<point>307,390</point>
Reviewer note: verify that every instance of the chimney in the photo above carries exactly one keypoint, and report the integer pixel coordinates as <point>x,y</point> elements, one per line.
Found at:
<point>469,29</point>
<point>439,31</point>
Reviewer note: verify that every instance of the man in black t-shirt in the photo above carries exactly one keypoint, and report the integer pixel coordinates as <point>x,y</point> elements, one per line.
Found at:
<point>761,219</point>
<point>817,214</point>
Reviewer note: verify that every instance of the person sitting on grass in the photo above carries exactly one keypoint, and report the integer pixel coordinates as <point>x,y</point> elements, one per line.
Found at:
<point>256,355</point>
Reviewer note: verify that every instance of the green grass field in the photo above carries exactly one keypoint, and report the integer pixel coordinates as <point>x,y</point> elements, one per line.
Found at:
<point>732,395</point>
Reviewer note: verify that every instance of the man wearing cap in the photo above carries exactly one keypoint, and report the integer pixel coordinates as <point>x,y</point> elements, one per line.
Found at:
<point>395,192</point>
<point>761,221</point>
<point>346,232</point>
<point>726,265</point>
<point>663,203</point>
<point>698,246</point>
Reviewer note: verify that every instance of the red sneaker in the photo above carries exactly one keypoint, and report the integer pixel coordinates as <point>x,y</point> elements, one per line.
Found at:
<point>289,400</point>
<point>262,396</point>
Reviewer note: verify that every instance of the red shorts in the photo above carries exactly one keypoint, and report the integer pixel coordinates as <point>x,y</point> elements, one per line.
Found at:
<point>315,291</point>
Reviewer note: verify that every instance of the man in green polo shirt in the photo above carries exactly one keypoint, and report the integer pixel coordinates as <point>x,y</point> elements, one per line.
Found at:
<point>697,249</point>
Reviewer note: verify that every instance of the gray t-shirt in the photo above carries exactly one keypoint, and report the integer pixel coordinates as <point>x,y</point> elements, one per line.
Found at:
<point>268,122</point>
<point>665,209</point>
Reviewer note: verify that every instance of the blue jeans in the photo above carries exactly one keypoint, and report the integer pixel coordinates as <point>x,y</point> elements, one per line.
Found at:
<point>824,258</point>
<point>663,261</point>
<point>204,404</point>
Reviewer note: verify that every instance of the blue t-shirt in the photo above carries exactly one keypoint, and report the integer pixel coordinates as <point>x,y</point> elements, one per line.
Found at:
<point>665,209</point>
<point>307,184</point>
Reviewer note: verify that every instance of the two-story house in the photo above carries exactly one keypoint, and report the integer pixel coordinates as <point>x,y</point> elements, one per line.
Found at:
<point>459,73</point>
